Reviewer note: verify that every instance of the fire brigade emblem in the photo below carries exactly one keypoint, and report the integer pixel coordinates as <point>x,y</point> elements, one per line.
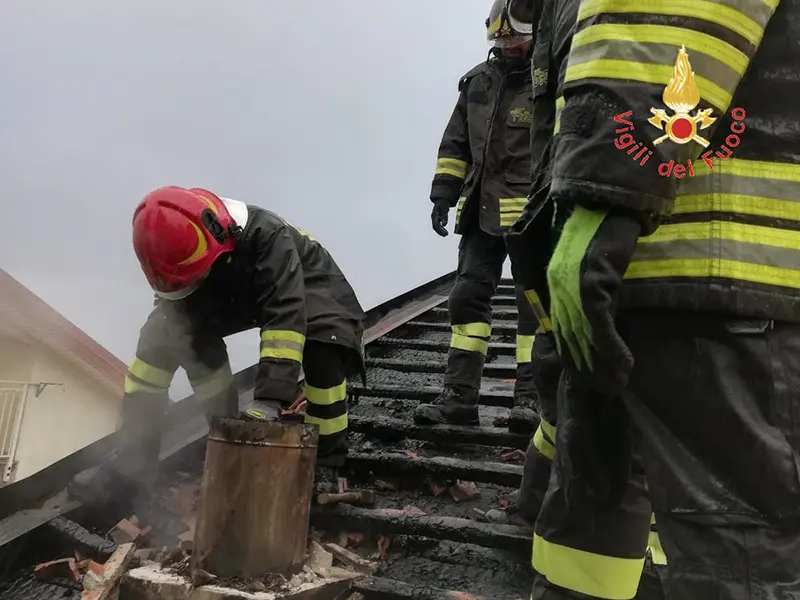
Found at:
<point>681,95</point>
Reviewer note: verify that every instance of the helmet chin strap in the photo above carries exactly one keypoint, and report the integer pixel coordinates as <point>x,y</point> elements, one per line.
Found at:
<point>220,234</point>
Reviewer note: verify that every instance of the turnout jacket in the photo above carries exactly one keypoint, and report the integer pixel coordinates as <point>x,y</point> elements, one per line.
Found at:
<point>724,234</point>
<point>277,279</point>
<point>483,165</point>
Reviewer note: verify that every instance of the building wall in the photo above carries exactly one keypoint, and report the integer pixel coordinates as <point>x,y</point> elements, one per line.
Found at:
<point>65,418</point>
<point>16,360</point>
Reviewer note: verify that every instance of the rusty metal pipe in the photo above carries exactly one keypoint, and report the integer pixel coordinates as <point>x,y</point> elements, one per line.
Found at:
<point>255,498</point>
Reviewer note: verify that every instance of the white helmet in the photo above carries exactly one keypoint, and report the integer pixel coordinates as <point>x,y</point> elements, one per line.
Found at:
<point>501,32</point>
<point>520,15</point>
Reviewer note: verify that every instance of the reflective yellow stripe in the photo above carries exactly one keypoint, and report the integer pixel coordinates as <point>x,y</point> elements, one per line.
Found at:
<point>473,329</point>
<point>494,26</point>
<point>280,343</point>
<point>524,348</point>
<point>300,231</point>
<point>542,444</point>
<point>549,430</point>
<point>471,337</point>
<point>284,353</point>
<point>559,107</point>
<point>657,554</point>
<point>698,45</point>
<point>328,426</point>
<point>748,187</point>
<point>654,547</point>
<point>150,375</point>
<point>132,386</point>
<point>722,248</point>
<point>469,344</point>
<point>451,166</point>
<point>214,384</point>
<point>587,573</point>
<point>511,210</point>
<point>719,249</point>
<point>627,70</point>
<point>326,397</point>
<point>282,335</point>
<point>538,309</point>
<point>460,208</point>
<point>749,21</point>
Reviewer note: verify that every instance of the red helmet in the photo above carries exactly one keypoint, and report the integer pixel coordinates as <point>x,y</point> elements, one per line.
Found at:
<point>178,233</point>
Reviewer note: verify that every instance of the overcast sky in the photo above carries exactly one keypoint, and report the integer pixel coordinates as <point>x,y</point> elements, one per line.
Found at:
<point>332,119</point>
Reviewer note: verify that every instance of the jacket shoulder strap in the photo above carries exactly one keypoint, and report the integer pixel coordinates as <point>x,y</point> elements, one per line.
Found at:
<point>465,79</point>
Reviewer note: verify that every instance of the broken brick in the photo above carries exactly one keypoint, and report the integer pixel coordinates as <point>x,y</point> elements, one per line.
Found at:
<point>464,490</point>
<point>413,511</point>
<point>55,569</point>
<point>478,515</point>
<point>501,421</point>
<point>411,454</point>
<point>341,484</point>
<point>453,595</point>
<point>355,536</point>
<point>351,559</point>
<point>383,546</point>
<point>102,586</point>
<point>95,567</point>
<point>125,531</point>
<point>320,560</point>
<point>437,488</point>
<point>515,455</point>
<point>385,485</point>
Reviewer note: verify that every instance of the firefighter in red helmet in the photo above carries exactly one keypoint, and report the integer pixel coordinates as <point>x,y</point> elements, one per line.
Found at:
<point>219,267</point>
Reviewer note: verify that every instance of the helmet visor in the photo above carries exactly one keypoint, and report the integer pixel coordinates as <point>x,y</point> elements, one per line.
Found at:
<point>510,41</point>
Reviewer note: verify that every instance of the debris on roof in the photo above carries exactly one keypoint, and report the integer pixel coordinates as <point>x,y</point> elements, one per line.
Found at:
<point>417,511</point>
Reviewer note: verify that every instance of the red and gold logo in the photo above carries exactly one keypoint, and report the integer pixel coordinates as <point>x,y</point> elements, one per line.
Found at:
<point>682,96</point>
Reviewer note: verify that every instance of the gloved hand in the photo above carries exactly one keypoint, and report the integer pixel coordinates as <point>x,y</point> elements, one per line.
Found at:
<point>585,275</point>
<point>262,410</point>
<point>439,216</point>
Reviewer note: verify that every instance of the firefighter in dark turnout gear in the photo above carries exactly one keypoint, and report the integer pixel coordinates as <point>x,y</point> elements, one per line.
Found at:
<point>219,267</point>
<point>692,275</point>
<point>590,550</point>
<point>483,171</point>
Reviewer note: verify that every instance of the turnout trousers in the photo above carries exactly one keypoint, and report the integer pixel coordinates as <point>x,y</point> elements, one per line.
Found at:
<point>717,400</point>
<point>325,390</point>
<point>579,548</point>
<point>480,266</point>
<point>580,552</point>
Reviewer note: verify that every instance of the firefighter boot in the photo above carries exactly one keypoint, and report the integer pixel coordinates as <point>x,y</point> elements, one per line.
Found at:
<point>456,405</point>
<point>265,411</point>
<point>131,469</point>
<point>524,416</point>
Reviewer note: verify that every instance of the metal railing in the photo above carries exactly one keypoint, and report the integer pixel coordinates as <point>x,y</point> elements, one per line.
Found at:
<point>13,395</point>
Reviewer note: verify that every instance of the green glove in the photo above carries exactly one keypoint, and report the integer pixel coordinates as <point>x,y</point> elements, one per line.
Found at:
<point>585,276</point>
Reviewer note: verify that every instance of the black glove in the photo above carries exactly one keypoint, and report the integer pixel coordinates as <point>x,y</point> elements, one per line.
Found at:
<point>262,410</point>
<point>439,215</point>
